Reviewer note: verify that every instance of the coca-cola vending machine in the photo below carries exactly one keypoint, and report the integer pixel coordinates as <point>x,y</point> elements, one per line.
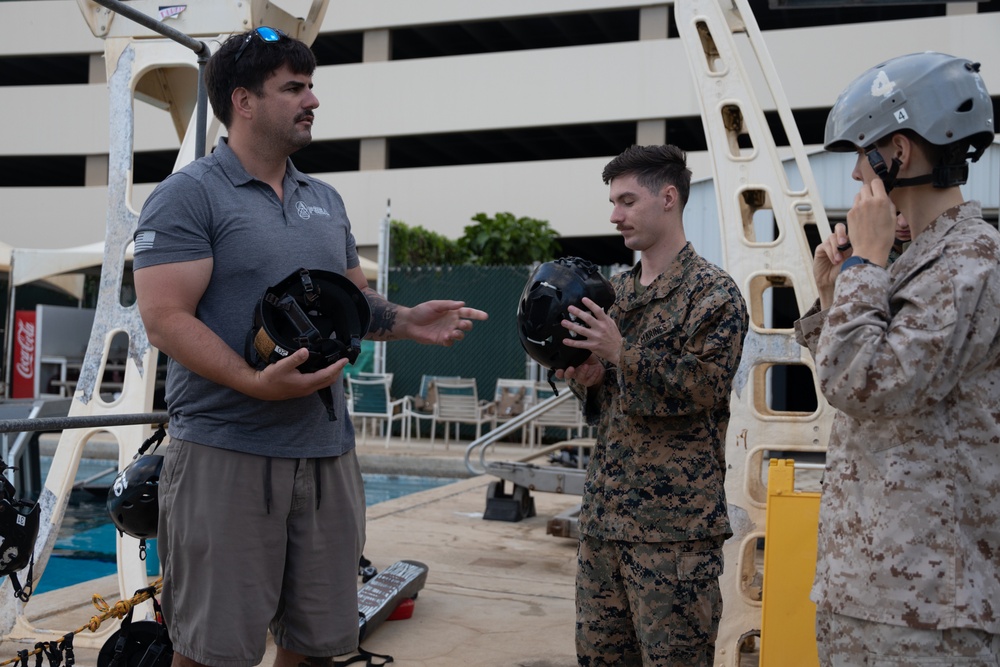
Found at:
<point>23,361</point>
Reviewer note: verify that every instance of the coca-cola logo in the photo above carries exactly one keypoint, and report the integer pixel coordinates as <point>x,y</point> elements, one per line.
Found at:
<point>25,362</point>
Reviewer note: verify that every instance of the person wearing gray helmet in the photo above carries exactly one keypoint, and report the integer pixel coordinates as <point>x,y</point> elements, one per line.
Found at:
<point>908,352</point>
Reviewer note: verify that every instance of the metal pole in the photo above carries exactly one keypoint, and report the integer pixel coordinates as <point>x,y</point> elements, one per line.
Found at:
<point>201,120</point>
<point>382,283</point>
<point>8,334</point>
<point>96,421</point>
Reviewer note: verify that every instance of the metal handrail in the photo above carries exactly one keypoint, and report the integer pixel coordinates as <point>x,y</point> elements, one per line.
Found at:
<point>62,423</point>
<point>484,442</point>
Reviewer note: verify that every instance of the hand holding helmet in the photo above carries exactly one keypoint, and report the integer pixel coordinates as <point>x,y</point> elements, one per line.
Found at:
<point>591,329</point>
<point>320,312</point>
<point>552,291</point>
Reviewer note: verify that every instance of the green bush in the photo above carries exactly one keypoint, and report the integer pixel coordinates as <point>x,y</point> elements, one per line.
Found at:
<point>416,246</point>
<point>502,240</point>
<point>505,240</point>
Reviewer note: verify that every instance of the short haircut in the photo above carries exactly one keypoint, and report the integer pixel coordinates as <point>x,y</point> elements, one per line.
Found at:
<point>654,167</point>
<point>258,61</point>
<point>947,155</point>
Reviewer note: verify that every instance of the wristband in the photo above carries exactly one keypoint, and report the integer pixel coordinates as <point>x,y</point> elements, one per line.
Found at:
<point>853,260</point>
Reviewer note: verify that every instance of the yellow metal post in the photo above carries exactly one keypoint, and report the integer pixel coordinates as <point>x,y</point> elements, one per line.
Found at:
<point>788,625</point>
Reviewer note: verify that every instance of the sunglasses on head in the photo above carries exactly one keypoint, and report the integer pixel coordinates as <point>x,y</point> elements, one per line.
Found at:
<point>265,33</point>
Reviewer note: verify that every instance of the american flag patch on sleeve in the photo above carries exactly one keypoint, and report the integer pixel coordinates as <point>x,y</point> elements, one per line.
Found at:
<point>144,240</point>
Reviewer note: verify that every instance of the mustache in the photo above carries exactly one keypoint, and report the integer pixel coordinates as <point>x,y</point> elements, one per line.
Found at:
<point>305,116</point>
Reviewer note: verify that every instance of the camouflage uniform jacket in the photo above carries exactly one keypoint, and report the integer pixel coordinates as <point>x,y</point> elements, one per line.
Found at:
<point>910,357</point>
<point>658,469</point>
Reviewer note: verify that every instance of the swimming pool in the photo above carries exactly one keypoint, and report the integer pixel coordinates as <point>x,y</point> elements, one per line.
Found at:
<point>85,548</point>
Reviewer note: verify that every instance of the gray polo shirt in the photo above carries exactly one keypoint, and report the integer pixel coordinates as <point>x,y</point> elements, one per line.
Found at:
<point>214,208</point>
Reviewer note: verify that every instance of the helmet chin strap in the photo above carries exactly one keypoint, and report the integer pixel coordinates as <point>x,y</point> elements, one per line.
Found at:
<point>943,176</point>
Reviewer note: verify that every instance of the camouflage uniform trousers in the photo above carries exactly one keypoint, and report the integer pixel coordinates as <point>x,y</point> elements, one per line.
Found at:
<point>844,641</point>
<point>655,604</point>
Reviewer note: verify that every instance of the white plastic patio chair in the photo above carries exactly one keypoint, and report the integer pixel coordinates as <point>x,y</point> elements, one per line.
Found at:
<point>370,401</point>
<point>458,403</point>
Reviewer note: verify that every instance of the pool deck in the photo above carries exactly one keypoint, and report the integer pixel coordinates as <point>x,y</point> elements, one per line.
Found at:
<point>497,592</point>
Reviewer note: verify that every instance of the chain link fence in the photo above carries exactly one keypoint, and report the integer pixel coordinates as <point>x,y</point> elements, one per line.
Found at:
<point>492,350</point>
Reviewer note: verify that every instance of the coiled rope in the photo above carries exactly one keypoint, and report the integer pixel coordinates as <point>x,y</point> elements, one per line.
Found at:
<point>57,649</point>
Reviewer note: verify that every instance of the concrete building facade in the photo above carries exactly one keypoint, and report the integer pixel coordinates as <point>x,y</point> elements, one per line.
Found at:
<point>436,111</point>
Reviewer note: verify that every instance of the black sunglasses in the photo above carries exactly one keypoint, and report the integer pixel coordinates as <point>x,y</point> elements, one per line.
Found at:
<point>265,33</point>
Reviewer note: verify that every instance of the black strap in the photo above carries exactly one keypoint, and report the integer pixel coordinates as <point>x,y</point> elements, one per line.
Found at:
<point>326,395</point>
<point>888,175</point>
<point>23,593</point>
<point>153,440</point>
<point>552,381</point>
<point>66,646</point>
<point>943,176</point>
<point>119,656</point>
<point>53,653</point>
<point>157,651</point>
<point>367,657</point>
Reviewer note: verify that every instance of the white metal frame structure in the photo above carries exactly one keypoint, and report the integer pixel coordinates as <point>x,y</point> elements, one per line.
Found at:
<point>750,178</point>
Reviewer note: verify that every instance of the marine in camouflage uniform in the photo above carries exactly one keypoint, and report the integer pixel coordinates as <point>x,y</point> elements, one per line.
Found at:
<point>654,515</point>
<point>909,530</point>
<point>908,565</point>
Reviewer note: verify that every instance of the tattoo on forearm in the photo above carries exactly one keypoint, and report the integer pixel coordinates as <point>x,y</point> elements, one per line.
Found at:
<point>383,316</point>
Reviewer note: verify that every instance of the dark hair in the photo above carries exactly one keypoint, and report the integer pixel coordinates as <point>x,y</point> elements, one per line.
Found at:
<point>654,167</point>
<point>258,61</point>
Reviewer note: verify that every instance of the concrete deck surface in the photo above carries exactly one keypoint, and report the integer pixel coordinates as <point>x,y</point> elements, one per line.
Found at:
<point>497,593</point>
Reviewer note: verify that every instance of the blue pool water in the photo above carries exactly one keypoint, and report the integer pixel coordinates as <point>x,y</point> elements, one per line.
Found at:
<point>85,548</point>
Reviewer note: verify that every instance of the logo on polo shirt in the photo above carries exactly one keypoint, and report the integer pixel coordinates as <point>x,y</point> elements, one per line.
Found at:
<point>305,211</point>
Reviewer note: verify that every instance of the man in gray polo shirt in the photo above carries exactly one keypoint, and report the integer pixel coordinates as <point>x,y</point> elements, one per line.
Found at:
<point>261,500</point>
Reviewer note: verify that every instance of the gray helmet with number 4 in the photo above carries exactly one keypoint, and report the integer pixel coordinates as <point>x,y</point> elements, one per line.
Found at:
<point>552,288</point>
<point>939,97</point>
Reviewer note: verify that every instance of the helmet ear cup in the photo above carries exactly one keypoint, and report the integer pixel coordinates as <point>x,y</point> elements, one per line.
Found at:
<point>552,288</point>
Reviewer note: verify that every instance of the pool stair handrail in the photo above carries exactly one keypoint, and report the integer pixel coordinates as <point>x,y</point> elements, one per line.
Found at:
<point>523,472</point>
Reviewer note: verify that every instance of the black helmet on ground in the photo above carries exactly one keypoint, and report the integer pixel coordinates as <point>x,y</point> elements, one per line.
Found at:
<point>139,643</point>
<point>552,288</point>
